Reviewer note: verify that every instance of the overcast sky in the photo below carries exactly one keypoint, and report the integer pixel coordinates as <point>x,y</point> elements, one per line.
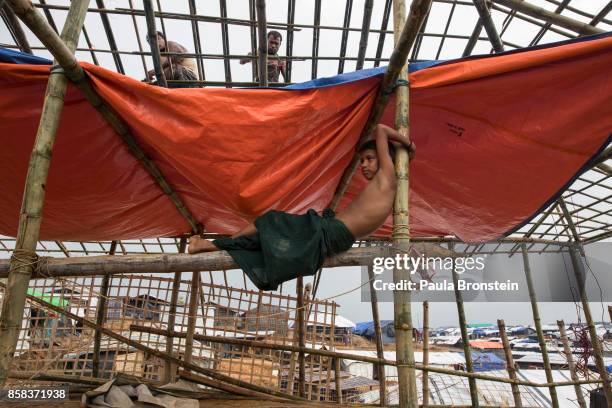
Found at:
<point>340,279</point>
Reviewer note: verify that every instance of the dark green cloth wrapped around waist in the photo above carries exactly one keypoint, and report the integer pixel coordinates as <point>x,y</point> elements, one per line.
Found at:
<point>287,246</point>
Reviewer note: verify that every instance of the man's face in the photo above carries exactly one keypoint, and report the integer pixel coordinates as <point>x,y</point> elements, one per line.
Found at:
<point>273,44</point>
<point>368,162</point>
<point>161,43</point>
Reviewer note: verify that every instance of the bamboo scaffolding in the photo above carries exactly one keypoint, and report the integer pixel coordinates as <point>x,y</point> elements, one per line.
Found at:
<point>465,338</point>
<point>418,11</point>
<point>571,225</point>
<point>160,354</point>
<point>550,17</point>
<point>402,312</point>
<point>516,393</point>
<point>253,37</point>
<point>169,369</point>
<point>315,39</point>
<point>570,363</point>
<point>469,47</point>
<point>380,352</point>
<point>15,26</point>
<point>487,22</point>
<point>383,29</point>
<point>538,326</point>
<point>192,316</point>
<point>100,314</point>
<point>347,356</point>
<point>425,377</point>
<point>586,309</point>
<point>365,33</point>
<point>225,43</point>
<point>290,20</point>
<point>21,265</point>
<point>301,328</point>
<point>152,40</point>
<point>110,36</point>
<point>338,379</point>
<point>345,33</point>
<point>197,43</point>
<point>262,39</point>
<point>164,263</point>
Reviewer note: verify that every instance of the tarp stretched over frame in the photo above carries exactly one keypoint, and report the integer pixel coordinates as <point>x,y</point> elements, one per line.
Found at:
<point>498,138</point>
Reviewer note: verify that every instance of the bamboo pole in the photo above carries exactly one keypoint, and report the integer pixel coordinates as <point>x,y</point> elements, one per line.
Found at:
<point>152,39</point>
<point>402,312</point>
<point>346,356</point>
<point>365,33</point>
<point>338,379</point>
<point>424,375</point>
<point>225,43</point>
<point>315,39</point>
<point>193,315</point>
<point>571,225</point>
<point>380,353</point>
<point>300,331</point>
<point>487,22</point>
<point>20,36</point>
<point>418,11</point>
<point>550,17</point>
<point>383,28</point>
<point>469,47</point>
<point>75,73</point>
<point>465,339</point>
<point>516,393</point>
<point>253,31</point>
<point>538,326</point>
<point>571,364</point>
<point>100,314</point>
<point>262,37</point>
<point>595,344</point>
<point>169,369</point>
<point>164,263</point>
<point>110,36</point>
<point>23,259</point>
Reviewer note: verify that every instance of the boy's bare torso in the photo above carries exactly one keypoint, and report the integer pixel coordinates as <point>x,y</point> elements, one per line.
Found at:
<point>372,206</point>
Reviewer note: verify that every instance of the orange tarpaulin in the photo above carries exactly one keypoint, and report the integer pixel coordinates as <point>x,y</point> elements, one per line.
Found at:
<point>497,138</point>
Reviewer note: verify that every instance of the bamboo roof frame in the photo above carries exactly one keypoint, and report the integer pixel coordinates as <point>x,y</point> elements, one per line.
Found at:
<point>588,199</point>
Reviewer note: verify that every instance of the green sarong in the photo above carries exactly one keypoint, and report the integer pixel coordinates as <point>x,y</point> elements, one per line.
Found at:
<point>287,246</point>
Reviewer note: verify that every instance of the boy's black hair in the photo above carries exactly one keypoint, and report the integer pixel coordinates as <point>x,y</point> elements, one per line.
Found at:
<point>371,145</point>
<point>275,34</point>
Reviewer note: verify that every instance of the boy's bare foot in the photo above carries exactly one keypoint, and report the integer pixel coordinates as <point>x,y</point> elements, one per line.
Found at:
<point>198,244</point>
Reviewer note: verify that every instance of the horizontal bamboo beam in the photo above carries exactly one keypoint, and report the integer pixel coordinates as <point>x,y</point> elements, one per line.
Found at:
<point>550,16</point>
<point>35,22</point>
<point>164,263</point>
<point>346,356</point>
<point>396,62</point>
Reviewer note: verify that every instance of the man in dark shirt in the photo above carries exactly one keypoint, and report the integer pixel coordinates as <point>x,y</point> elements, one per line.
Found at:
<point>275,65</point>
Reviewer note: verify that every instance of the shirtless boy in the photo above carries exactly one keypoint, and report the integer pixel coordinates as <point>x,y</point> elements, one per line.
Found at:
<point>271,236</point>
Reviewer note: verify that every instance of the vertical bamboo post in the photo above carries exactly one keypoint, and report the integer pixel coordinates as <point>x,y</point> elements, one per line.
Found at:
<point>380,353</point>
<point>169,368</point>
<point>465,339</point>
<point>425,373</point>
<point>301,342</point>
<point>571,364</point>
<point>597,352</point>
<point>516,393</point>
<point>192,317</point>
<point>337,366</point>
<point>402,309</point>
<point>538,327</point>
<point>100,312</point>
<point>152,36</point>
<point>24,257</point>
<point>338,379</point>
<point>262,36</point>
